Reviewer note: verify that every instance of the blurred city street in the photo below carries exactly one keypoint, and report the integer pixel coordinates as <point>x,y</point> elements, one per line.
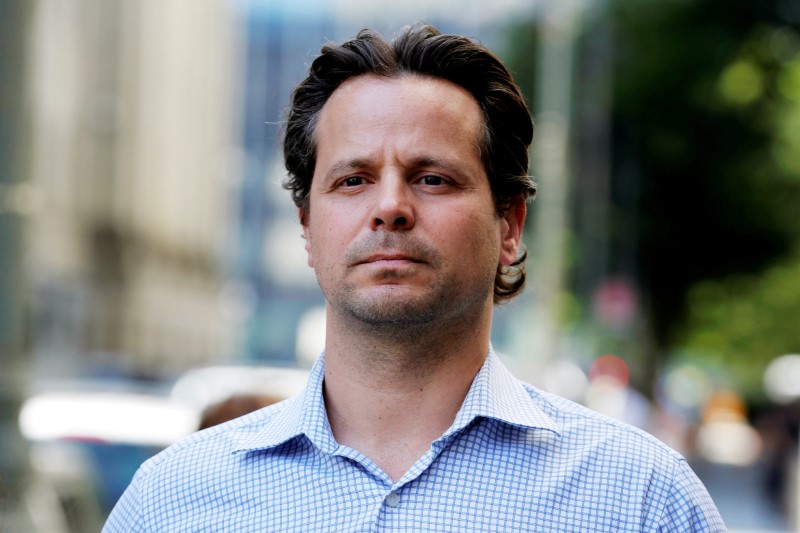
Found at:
<point>741,495</point>
<point>152,266</point>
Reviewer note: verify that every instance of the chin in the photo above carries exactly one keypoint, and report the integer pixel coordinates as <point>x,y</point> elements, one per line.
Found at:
<point>394,306</point>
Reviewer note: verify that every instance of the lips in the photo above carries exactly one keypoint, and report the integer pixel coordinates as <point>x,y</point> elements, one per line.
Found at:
<point>389,258</point>
<point>391,249</point>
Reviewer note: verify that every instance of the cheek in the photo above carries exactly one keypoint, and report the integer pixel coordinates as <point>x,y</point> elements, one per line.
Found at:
<point>477,236</point>
<point>326,247</point>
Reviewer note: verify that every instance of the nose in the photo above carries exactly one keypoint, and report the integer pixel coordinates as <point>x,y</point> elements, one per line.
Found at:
<point>394,207</point>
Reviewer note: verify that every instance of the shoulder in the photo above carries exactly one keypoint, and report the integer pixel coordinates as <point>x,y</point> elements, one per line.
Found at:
<point>581,426</point>
<point>192,476</point>
<point>627,465</point>
<point>609,452</point>
<point>209,449</point>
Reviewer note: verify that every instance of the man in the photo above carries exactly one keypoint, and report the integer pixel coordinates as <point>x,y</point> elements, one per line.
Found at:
<point>408,163</point>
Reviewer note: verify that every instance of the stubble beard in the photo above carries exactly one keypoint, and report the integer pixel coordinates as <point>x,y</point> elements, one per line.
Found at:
<point>393,312</point>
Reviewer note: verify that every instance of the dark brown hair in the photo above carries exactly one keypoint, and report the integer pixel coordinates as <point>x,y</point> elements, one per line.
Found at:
<point>423,50</point>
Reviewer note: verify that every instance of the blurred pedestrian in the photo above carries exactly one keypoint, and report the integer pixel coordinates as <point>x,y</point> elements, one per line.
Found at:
<point>233,407</point>
<point>408,164</point>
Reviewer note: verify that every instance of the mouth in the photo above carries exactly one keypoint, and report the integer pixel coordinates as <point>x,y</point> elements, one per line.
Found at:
<point>389,258</point>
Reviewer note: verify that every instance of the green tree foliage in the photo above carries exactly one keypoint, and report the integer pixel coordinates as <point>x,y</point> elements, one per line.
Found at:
<point>742,322</point>
<point>704,106</point>
<point>705,177</point>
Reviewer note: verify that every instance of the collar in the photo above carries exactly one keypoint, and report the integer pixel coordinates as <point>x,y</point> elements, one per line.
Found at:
<point>303,414</point>
<point>495,393</point>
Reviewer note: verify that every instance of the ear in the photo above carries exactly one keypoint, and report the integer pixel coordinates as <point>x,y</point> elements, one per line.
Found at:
<point>306,235</point>
<point>511,224</point>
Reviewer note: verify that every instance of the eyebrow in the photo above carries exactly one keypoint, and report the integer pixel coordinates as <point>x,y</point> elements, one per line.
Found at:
<point>344,167</point>
<point>437,163</point>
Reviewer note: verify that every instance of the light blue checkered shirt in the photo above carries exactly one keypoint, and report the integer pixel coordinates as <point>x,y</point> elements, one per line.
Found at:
<point>515,459</point>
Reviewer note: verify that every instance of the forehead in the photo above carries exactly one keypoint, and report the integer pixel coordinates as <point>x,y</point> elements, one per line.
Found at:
<point>433,106</point>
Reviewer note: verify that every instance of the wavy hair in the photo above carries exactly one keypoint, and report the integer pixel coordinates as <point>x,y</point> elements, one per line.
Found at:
<point>423,50</point>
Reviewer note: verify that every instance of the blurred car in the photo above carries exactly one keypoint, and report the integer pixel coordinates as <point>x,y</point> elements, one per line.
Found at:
<point>88,437</point>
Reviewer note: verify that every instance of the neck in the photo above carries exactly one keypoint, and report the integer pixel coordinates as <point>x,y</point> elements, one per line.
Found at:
<point>390,392</point>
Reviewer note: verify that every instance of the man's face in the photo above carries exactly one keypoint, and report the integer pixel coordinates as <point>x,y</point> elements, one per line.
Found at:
<point>402,227</point>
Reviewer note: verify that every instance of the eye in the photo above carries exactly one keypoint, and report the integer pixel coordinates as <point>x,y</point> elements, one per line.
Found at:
<point>432,179</point>
<point>353,181</point>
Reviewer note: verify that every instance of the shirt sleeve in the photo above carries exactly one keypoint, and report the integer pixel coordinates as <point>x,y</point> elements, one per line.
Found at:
<point>689,507</point>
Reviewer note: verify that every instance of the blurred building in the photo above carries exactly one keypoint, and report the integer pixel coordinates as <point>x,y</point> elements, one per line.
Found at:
<point>133,109</point>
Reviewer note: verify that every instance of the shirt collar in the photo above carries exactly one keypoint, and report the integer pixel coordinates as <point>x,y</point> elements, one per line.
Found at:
<point>495,393</point>
<point>303,414</point>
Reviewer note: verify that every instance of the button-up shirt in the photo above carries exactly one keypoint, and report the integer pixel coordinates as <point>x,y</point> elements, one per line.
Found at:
<point>515,459</point>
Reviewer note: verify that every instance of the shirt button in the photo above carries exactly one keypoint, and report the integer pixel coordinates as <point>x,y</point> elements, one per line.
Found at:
<point>393,499</point>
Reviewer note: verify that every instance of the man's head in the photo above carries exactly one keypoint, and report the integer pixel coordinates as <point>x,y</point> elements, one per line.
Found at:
<point>507,128</point>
